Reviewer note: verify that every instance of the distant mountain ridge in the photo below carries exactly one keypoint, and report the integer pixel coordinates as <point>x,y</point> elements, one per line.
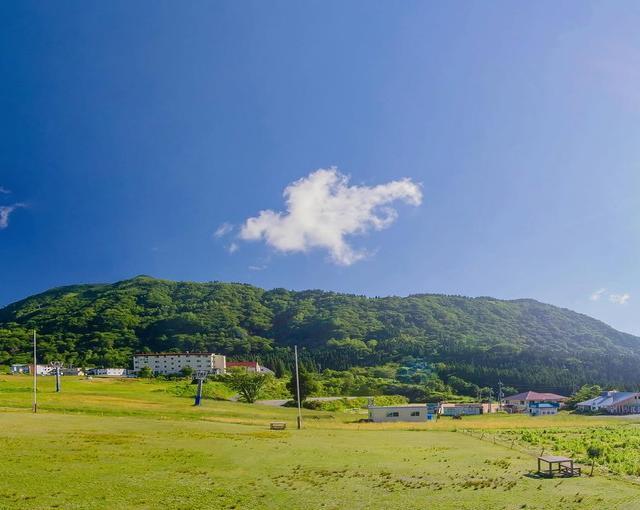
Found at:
<point>521,342</point>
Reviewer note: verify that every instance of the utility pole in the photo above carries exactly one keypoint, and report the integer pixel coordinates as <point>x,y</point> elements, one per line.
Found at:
<point>500,395</point>
<point>199,376</point>
<point>35,374</point>
<point>56,365</point>
<point>295,351</point>
<point>490,399</point>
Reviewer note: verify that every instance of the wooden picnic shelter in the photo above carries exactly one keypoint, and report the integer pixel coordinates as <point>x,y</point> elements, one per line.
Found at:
<point>556,464</point>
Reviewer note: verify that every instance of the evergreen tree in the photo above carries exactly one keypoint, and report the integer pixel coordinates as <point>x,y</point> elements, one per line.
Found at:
<point>308,385</point>
<point>279,368</point>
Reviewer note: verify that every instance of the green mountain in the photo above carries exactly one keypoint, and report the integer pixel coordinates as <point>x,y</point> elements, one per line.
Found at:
<point>523,342</point>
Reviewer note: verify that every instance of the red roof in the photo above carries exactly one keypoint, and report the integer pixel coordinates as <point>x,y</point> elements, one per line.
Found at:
<point>253,364</point>
<point>533,395</point>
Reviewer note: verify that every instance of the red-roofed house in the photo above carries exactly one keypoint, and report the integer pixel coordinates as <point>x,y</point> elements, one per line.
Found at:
<point>521,402</point>
<point>249,366</point>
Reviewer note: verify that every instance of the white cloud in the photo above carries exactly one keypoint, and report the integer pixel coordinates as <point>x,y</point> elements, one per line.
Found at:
<point>4,190</point>
<point>620,299</point>
<point>257,268</point>
<point>5,213</point>
<point>232,248</point>
<point>223,230</point>
<point>323,209</point>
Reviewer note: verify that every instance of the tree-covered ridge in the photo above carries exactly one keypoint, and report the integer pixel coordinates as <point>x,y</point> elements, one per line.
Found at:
<point>522,342</point>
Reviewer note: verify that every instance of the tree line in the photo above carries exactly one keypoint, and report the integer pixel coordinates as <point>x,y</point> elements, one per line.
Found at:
<point>467,343</point>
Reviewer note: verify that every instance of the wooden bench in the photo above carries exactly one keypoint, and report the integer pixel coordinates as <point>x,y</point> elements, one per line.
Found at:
<point>278,425</point>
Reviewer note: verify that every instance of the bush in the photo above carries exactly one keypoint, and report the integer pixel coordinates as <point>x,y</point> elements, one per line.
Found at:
<point>343,404</point>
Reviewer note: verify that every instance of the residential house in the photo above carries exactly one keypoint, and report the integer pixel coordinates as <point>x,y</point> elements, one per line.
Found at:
<point>249,366</point>
<point>612,402</point>
<point>521,402</point>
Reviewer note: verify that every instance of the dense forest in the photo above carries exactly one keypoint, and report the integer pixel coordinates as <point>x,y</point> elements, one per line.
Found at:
<point>458,340</point>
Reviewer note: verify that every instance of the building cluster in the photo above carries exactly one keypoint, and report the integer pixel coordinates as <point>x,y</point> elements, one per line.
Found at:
<point>530,402</point>
<point>69,370</point>
<point>168,363</point>
<point>160,363</point>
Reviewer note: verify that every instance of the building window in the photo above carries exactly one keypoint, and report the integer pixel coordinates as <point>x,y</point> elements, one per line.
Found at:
<point>393,414</point>
<point>415,413</point>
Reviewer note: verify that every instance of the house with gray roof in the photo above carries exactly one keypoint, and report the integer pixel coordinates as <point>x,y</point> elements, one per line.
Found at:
<point>522,402</point>
<point>612,402</point>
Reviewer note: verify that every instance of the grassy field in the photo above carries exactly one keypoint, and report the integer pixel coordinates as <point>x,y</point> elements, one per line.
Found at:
<point>135,444</point>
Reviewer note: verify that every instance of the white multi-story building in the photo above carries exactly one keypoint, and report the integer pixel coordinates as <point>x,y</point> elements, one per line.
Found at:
<point>165,363</point>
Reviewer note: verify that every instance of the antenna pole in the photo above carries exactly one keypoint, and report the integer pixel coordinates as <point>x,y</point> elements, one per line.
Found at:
<point>35,374</point>
<point>295,350</point>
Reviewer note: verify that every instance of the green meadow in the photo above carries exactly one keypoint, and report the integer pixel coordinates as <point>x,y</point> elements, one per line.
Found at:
<point>139,444</point>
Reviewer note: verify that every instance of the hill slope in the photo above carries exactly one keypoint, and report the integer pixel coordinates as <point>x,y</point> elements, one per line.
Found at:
<point>522,342</point>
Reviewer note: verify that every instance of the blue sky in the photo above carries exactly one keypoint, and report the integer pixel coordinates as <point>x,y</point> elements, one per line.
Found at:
<point>132,131</point>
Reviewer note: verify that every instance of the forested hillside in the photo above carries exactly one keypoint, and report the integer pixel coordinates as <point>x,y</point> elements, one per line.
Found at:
<point>524,343</point>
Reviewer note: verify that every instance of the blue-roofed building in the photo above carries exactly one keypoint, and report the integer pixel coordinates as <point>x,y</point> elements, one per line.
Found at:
<point>613,402</point>
<point>543,408</point>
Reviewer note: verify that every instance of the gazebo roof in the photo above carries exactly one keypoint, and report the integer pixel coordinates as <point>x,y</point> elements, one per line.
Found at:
<point>554,458</point>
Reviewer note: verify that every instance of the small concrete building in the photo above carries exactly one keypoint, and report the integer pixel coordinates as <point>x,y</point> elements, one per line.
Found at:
<point>166,363</point>
<point>465,409</point>
<point>70,371</point>
<point>42,369</point>
<point>20,369</point>
<point>405,412</point>
<point>108,372</point>
<point>543,408</point>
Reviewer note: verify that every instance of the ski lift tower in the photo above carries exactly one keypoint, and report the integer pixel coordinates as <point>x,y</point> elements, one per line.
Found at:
<point>56,366</point>
<point>200,376</point>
